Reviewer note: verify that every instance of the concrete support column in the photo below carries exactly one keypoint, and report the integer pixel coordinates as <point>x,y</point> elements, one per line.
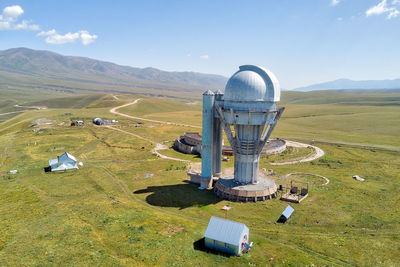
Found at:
<point>207,135</point>
<point>246,168</point>
<point>218,132</point>
<point>217,148</point>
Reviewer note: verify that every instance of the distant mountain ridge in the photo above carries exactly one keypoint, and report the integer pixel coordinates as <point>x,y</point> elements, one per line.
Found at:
<point>342,84</point>
<point>48,64</point>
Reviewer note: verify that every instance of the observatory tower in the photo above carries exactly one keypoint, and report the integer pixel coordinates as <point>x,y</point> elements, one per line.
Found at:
<point>248,114</point>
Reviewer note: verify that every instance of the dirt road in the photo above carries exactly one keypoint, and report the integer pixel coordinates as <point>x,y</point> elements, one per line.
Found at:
<point>12,112</point>
<point>20,111</point>
<point>32,107</point>
<point>157,148</point>
<point>306,173</point>
<point>318,152</point>
<point>114,111</point>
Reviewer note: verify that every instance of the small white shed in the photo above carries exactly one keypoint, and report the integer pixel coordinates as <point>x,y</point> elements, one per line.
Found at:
<point>227,236</point>
<point>64,162</point>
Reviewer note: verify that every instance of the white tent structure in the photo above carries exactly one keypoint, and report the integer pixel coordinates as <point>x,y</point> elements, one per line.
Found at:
<point>227,236</point>
<point>62,163</point>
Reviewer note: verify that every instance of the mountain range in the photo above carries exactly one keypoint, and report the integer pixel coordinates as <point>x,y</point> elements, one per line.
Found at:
<point>50,65</point>
<point>27,68</point>
<point>343,84</point>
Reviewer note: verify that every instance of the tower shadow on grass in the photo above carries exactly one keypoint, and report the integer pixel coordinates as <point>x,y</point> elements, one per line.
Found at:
<point>199,245</point>
<point>179,195</point>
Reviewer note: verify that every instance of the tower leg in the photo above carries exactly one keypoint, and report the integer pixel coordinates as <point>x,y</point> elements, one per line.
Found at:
<point>217,148</point>
<point>207,135</point>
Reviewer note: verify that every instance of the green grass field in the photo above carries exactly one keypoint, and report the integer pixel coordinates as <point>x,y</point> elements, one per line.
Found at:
<point>111,213</point>
<point>373,125</point>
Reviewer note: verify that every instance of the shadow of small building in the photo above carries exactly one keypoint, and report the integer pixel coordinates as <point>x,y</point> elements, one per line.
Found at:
<point>285,214</point>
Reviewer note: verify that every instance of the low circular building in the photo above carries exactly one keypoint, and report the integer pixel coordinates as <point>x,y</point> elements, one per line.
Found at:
<point>190,143</point>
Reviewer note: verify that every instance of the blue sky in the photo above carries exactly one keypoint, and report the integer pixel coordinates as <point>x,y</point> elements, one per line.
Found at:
<point>301,41</point>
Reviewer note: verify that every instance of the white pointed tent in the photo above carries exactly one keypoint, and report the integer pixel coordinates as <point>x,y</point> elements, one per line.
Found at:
<point>64,162</point>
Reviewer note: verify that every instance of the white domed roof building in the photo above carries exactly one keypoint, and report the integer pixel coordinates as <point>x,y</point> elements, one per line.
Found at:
<point>249,105</point>
<point>252,83</point>
<point>252,88</point>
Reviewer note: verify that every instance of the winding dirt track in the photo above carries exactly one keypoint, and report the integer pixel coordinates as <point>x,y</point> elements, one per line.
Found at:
<point>20,111</point>
<point>12,112</point>
<point>158,146</point>
<point>317,154</point>
<point>32,107</point>
<point>155,151</point>
<point>114,111</point>
<point>307,173</point>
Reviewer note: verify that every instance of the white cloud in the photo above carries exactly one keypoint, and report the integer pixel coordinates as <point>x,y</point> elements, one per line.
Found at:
<point>4,25</point>
<point>334,2</point>
<point>339,19</point>
<point>378,9</point>
<point>12,12</point>
<point>43,33</point>
<point>87,38</point>
<point>205,57</point>
<point>188,55</point>
<point>53,37</point>
<point>383,8</point>
<point>25,25</point>
<point>9,20</point>
<point>395,2</point>
<point>392,14</point>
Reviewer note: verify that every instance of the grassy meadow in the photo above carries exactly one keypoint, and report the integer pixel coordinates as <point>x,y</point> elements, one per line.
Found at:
<point>335,122</point>
<point>111,212</point>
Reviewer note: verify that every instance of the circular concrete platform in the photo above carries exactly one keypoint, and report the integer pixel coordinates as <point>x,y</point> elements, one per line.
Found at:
<point>227,188</point>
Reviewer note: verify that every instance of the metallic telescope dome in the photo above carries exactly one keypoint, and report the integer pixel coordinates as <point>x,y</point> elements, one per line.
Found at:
<point>252,83</point>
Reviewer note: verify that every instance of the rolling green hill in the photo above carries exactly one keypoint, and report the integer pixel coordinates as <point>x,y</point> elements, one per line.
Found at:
<point>49,65</point>
<point>350,84</point>
<point>128,207</point>
<point>28,76</point>
<point>110,212</point>
<point>343,97</point>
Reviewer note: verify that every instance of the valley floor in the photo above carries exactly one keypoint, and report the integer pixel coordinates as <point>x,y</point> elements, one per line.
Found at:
<point>127,206</point>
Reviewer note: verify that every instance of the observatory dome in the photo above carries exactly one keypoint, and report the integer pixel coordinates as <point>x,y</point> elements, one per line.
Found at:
<point>252,83</point>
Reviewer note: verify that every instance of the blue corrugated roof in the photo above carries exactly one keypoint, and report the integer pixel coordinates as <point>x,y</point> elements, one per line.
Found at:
<point>65,156</point>
<point>288,211</point>
<point>225,231</point>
